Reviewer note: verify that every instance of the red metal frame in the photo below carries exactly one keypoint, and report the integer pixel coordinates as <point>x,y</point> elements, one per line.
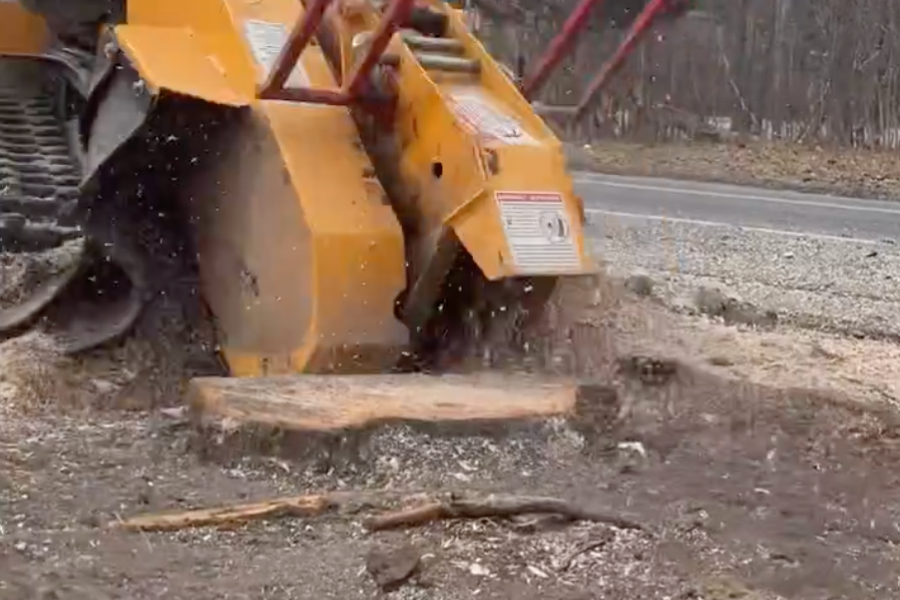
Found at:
<point>394,16</point>
<point>563,42</point>
<point>398,12</point>
<point>641,27</point>
<point>559,47</point>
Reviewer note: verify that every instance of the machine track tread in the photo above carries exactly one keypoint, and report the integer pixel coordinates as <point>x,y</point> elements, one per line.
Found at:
<point>39,172</point>
<point>86,295</point>
<point>39,179</point>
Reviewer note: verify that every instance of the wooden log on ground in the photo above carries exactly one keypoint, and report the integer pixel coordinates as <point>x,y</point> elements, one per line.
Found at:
<point>299,506</point>
<point>333,403</point>
<point>496,506</point>
<point>315,505</point>
<point>306,506</point>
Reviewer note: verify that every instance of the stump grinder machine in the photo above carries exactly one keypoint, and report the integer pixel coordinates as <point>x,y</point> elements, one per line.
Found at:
<point>356,178</point>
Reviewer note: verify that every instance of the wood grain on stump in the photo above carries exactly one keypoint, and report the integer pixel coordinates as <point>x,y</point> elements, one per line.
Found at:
<point>345,407</point>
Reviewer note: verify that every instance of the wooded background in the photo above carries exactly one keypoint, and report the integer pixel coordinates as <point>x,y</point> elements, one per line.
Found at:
<point>822,71</point>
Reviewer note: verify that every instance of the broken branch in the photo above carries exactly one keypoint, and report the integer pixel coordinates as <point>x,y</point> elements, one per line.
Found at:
<point>314,505</point>
<point>297,506</point>
<point>604,539</point>
<point>495,506</point>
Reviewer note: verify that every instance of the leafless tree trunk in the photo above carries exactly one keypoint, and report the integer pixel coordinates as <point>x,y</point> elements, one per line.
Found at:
<point>824,71</point>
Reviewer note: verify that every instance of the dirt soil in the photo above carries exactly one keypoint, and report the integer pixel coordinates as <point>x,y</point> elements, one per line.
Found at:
<point>839,171</point>
<point>753,482</point>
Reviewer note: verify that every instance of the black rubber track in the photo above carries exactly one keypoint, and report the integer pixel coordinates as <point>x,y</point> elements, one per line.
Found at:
<point>39,173</point>
<point>92,298</point>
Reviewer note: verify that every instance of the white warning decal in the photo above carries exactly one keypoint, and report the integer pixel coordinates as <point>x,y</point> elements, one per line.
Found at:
<point>538,231</point>
<point>481,116</point>
<point>266,40</point>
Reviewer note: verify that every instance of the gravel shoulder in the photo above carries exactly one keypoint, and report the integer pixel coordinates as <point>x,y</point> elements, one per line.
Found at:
<point>834,285</point>
<point>750,495</point>
<point>755,482</point>
<point>764,461</point>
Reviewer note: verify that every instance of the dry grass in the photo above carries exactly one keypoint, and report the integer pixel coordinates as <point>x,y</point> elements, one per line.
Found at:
<point>866,173</point>
<point>21,273</point>
<point>33,373</point>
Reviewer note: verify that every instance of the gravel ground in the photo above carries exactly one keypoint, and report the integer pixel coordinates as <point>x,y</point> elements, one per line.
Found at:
<point>844,286</point>
<point>748,493</point>
<point>765,465</point>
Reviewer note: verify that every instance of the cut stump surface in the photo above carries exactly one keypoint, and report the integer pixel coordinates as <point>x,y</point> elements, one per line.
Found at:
<point>332,403</point>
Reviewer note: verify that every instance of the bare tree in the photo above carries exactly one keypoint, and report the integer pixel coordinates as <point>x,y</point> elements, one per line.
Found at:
<point>824,71</point>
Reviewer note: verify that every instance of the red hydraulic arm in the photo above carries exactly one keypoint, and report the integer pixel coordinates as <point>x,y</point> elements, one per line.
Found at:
<point>559,47</point>
<point>563,42</point>
<point>396,13</point>
<point>637,31</point>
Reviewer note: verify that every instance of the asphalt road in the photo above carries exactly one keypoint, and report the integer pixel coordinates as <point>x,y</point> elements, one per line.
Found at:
<point>633,200</point>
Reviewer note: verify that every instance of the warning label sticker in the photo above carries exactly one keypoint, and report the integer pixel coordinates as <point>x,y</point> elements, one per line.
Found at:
<point>538,231</point>
<point>483,117</point>
<point>266,40</point>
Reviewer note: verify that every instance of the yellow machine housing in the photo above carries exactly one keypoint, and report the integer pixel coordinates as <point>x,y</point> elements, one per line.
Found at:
<point>314,228</point>
<point>301,255</point>
<point>476,163</point>
<point>23,32</point>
